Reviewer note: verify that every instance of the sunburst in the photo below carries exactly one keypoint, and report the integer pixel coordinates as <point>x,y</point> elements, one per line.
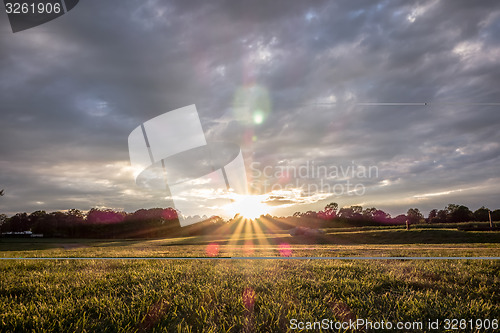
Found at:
<point>248,206</point>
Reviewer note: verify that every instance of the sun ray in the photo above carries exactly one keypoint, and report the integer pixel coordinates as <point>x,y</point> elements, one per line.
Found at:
<point>236,235</point>
<point>259,234</point>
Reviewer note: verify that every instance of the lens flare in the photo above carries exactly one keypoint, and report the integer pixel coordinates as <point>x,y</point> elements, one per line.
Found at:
<point>251,105</point>
<point>248,297</point>
<point>258,117</point>
<point>212,249</point>
<point>285,250</point>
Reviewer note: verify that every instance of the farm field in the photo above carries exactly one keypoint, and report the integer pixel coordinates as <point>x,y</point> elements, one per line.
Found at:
<point>248,295</point>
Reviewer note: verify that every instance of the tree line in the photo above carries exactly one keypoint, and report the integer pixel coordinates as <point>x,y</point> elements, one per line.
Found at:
<point>96,223</point>
<point>452,213</point>
<point>163,222</point>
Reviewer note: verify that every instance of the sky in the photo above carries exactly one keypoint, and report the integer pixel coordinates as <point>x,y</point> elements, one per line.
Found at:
<point>293,84</point>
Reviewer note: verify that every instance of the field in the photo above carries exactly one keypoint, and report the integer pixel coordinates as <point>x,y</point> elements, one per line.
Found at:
<point>250,295</point>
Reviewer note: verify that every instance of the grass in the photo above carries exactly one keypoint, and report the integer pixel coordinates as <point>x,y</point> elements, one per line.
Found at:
<point>369,242</point>
<point>243,295</point>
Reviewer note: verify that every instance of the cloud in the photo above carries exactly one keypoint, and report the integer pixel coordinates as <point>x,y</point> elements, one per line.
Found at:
<point>74,88</point>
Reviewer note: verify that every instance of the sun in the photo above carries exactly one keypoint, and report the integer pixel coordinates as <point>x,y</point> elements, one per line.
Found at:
<point>248,206</point>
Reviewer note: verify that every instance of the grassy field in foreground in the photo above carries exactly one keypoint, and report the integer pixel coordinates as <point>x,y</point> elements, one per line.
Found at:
<point>248,296</point>
<point>243,295</point>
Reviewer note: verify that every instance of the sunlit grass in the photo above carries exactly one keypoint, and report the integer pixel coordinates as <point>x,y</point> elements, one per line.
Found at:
<point>131,296</point>
<point>246,295</point>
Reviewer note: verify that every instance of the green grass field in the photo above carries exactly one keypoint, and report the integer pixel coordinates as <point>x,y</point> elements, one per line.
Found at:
<point>181,295</point>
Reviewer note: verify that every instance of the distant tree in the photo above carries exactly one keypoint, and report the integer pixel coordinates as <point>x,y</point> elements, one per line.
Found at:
<point>155,222</point>
<point>459,213</point>
<point>37,215</point>
<point>442,216</point>
<point>3,220</point>
<point>414,216</point>
<point>369,212</point>
<point>353,212</point>
<point>3,217</point>
<point>19,222</point>
<point>432,216</point>
<point>345,213</point>
<point>74,223</point>
<point>452,207</point>
<point>357,209</point>
<point>330,211</point>
<point>39,219</point>
<point>495,215</point>
<point>96,215</point>
<point>482,214</point>
<point>400,219</point>
<point>322,215</point>
<point>381,216</point>
<point>310,213</point>
<point>170,214</point>
<point>332,206</point>
<point>76,213</point>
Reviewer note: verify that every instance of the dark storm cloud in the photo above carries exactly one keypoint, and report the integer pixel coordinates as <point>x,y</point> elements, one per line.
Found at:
<point>72,90</point>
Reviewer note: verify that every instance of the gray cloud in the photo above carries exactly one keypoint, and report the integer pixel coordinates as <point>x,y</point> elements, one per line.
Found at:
<point>73,89</point>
